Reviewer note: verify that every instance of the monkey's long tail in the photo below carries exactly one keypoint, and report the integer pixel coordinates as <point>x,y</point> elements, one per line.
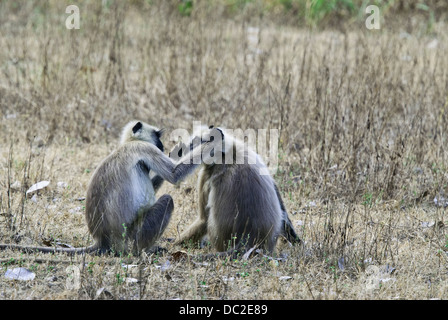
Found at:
<point>70,251</point>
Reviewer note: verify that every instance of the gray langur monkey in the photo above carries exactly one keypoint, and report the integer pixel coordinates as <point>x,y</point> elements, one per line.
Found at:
<point>239,208</point>
<point>121,207</point>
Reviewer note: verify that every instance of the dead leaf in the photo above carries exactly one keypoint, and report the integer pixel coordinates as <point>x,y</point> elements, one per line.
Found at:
<point>129,280</point>
<point>21,274</point>
<point>38,186</point>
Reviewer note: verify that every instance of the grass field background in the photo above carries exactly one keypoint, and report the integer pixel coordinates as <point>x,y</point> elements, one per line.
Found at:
<point>362,161</point>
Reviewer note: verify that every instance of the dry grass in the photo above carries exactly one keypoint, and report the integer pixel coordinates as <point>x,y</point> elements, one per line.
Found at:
<point>362,117</point>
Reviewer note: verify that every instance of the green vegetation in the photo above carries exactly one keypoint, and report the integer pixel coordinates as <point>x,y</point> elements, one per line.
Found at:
<point>316,13</point>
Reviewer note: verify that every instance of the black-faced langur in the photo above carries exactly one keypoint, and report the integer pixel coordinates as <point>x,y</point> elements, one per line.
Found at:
<point>240,206</point>
<point>122,212</point>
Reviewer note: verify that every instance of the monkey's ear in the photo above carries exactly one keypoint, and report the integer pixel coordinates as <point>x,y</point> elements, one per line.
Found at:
<point>160,133</point>
<point>138,126</point>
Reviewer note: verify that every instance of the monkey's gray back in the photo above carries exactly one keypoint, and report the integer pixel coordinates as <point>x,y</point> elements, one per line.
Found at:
<point>118,188</point>
<point>242,204</point>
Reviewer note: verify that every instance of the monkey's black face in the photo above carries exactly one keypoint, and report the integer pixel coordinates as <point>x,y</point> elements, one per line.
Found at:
<point>159,145</point>
<point>181,148</point>
<point>158,142</point>
<point>156,136</point>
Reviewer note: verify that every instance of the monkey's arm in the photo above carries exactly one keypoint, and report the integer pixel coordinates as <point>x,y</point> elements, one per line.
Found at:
<point>163,166</point>
<point>198,229</point>
<point>194,234</point>
<point>172,171</point>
